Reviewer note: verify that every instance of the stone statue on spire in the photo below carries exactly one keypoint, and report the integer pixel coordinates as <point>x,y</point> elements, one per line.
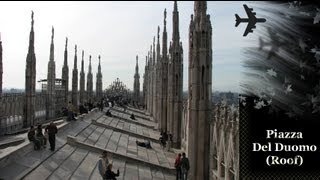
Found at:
<point>52,34</point>
<point>32,18</point>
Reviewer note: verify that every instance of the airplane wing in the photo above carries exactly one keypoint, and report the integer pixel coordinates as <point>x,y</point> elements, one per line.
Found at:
<point>250,13</point>
<point>249,28</point>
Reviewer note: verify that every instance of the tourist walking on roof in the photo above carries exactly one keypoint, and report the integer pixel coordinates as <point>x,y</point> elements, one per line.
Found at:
<point>32,138</point>
<point>103,163</point>
<point>177,165</point>
<point>184,166</point>
<point>52,130</point>
<point>110,175</point>
<point>40,136</point>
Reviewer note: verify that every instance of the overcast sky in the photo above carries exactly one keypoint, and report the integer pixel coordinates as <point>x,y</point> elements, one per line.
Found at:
<point>118,31</point>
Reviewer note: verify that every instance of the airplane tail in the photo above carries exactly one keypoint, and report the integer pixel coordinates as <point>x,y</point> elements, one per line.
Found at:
<point>237,20</point>
<point>261,44</point>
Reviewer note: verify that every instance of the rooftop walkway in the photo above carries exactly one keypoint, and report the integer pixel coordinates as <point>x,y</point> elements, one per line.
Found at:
<point>79,144</point>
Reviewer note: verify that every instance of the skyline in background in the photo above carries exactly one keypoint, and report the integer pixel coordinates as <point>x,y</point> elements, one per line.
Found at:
<point>118,31</point>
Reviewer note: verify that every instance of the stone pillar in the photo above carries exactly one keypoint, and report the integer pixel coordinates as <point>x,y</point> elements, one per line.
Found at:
<point>82,81</point>
<point>51,79</point>
<point>89,83</point>
<point>158,81</point>
<point>154,82</point>
<point>1,71</point>
<point>144,99</point>
<point>151,81</point>
<point>65,74</point>
<point>164,74</point>
<point>75,81</point>
<point>1,68</point>
<point>30,83</point>
<point>200,84</point>
<point>176,74</point>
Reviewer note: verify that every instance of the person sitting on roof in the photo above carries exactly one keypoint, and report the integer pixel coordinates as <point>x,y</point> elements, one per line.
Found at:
<point>145,144</point>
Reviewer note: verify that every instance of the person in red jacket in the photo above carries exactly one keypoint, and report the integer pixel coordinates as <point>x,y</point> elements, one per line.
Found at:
<point>177,165</point>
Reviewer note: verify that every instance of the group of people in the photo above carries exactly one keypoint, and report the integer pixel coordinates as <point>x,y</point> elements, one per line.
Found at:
<point>165,139</point>
<point>105,168</point>
<point>39,138</point>
<point>182,166</point>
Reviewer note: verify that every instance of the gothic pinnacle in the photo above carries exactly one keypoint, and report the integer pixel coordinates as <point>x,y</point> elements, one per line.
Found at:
<point>175,8</point>
<point>82,63</point>
<point>52,34</point>
<point>75,57</point>
<point>165,17</point>
<point>32,22</point>
<point>82,54</point>
<point>66,43</point>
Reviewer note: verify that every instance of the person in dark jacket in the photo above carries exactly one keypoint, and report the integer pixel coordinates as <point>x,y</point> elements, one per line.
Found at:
<point>40,137</point>
<point>52,130</point>
<point>185,166</point>
<point>132,116</point>
<point>110,175</point>
<point>32,138</point>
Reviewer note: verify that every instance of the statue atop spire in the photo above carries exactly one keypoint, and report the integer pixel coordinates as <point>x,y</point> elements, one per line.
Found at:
<point>52,33</point>
<point>32,22</point>
<point>165,18</point>
<point>175,24</point>
<point>82,54</point>
<point>66,43</point>
<point>137,60</point>
<point>175,8</point>
<point>200,8</point>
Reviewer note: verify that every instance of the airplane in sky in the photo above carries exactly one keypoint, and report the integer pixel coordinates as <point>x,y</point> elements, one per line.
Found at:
<point>252,20</point>
<point>275,43</point>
